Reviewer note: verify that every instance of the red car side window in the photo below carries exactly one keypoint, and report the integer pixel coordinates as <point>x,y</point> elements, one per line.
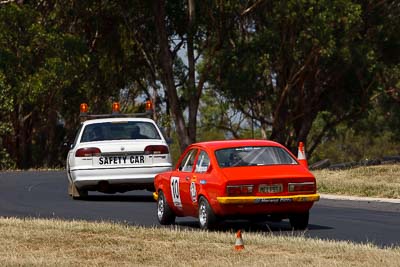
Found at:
<point>188,161</point>
<point>203,161</point>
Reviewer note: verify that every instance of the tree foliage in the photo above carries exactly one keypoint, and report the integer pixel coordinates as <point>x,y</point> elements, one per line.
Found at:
<point>285,70</point>
<point>286,61</point>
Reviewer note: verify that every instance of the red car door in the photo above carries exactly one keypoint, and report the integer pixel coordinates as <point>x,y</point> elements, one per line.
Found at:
<point>181,180</point>
<point>197,179</point>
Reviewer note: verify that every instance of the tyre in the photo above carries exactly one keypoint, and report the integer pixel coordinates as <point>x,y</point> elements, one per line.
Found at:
<point>70,189</point>
<point>207,217</point>
<point>299,221</point>
<point>164,213</point>
<point>76,193</point>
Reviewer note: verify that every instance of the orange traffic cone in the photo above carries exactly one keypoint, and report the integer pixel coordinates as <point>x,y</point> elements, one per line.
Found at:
<point>239,241</point>
<point>301,155</point>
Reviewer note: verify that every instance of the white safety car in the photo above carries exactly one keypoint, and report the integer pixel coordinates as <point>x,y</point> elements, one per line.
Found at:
<point>116,153</point>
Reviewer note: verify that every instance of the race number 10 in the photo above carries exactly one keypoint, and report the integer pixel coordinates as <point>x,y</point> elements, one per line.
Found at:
<point>176,197</point>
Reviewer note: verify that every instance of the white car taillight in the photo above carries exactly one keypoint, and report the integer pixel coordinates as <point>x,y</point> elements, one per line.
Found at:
<point>156,149</point>
<point>88,152</point>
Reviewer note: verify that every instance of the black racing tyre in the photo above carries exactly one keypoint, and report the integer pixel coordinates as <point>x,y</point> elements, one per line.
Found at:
<point>299,221</point>
<point>164,213</point>
<point>207,217</point>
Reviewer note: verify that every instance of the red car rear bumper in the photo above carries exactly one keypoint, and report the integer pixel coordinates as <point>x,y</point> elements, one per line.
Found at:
<point>274,199</point>
<point>252,205</point>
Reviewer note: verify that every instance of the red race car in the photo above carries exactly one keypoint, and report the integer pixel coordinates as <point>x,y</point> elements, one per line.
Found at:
<point>236,179</point>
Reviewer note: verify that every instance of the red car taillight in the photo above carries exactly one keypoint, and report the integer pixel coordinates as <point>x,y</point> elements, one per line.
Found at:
<point>88,152</point>
<point>302,187</point>
<point>239,190</point>
<point>156,149</point>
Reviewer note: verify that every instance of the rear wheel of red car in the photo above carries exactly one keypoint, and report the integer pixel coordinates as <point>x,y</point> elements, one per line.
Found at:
<point>299,221</point>
<point>164,213</point>
<point>207,217</point>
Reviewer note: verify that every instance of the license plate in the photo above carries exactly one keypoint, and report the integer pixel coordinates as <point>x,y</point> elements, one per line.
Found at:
<point>270,188</point>
<point>122,160</point>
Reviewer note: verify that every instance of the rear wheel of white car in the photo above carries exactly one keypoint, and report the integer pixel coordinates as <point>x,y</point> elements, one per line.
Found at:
<point>207,217</point>
<point>75,192</point>
<point>164,213</point>
<point>299,221</point>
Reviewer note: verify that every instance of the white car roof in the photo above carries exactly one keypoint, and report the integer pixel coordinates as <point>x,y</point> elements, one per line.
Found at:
<point>116,119</point>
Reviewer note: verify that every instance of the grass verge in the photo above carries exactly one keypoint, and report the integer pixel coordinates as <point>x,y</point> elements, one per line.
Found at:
<point>372,181</point>
<point>39,242</point>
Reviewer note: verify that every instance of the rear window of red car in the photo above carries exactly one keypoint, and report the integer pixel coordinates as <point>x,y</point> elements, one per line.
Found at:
<point>253,156</point>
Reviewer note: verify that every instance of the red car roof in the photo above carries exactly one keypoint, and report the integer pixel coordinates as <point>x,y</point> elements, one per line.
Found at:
<point>215,145</point>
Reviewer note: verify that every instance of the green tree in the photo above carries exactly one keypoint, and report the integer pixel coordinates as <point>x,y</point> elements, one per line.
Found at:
<point>6,107</point>
<point>294,69</point>
<point>55,55</point>
<point>40,64</point>
<point>187,23</point>
<point>287,61</point>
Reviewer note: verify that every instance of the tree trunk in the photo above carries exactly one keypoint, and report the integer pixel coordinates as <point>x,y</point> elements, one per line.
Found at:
<point>23,131</point>
<point>51,144</point>
<point>167,73</point>
<point>193,99</point>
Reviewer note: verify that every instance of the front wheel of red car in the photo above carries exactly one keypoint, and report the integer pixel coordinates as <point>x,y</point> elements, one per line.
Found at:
<point>207,217</point>
<point>299,221</point>
<point>164,213</point>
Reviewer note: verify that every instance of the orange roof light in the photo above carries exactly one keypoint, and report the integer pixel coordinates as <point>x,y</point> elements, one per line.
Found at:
<point>115,107</point>
<point>84,108</point>
<point>149,105</point>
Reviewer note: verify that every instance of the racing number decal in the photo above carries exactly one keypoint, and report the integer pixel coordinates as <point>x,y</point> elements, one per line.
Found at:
<point>193,192</point>
<point>176,197</point>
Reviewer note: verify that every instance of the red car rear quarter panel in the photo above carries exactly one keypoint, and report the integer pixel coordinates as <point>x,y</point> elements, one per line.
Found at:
<point>215,186</point>
<point>162,182</point>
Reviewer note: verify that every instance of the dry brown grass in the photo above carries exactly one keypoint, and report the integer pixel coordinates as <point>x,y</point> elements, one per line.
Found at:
<point>37,242</point>
<point>373,181</point>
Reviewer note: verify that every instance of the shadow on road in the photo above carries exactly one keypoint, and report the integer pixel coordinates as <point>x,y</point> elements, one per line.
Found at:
<point>118,198</point>
<point>273,227</point>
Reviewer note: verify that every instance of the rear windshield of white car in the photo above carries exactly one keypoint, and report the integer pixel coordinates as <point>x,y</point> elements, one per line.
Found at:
<point>253,156</point>
<point>121,130</point>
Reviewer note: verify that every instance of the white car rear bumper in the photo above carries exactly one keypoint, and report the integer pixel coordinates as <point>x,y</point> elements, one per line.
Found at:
<point>115,176</point>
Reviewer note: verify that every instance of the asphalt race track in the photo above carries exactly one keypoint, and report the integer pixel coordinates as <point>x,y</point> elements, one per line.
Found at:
<point>43,194</point>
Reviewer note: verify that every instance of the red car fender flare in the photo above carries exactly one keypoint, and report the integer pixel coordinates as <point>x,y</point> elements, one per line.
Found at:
<point>214,204</point>
<point>159,185</point>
